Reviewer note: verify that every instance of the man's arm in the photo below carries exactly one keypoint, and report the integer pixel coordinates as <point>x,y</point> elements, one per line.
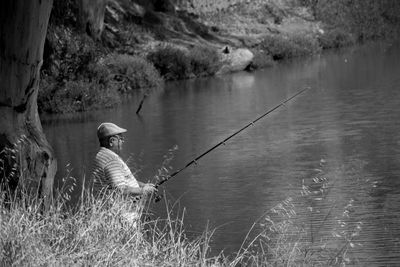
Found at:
<point>125,181</point>
<point>143,189</point>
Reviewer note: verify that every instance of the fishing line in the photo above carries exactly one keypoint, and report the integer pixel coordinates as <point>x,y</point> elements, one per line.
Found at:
<point>194,161</point>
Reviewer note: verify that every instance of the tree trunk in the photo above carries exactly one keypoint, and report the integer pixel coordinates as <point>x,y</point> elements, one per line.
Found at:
<point>92,16</point>
<point>27,158</point>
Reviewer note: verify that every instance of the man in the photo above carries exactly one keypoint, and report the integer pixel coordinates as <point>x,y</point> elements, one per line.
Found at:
<point>110,171</point>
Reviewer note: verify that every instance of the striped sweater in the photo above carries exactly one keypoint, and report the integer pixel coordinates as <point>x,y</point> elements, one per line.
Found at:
<point>111,172</point>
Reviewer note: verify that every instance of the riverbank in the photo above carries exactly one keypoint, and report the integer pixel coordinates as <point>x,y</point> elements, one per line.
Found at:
<point>141,47</point>
<point>113,231</point>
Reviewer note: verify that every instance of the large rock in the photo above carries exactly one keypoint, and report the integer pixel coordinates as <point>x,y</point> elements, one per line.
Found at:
<point>235,60</point>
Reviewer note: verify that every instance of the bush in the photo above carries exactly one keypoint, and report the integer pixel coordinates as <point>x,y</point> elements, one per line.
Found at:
<point>364,19</point>
<point>172,63</point>
<point>284,47</point>
<point>204,61</point>
<point>74,96</point>
<point>47,87</point>
<point>305,44</point>
<point>335,38</point>
<point>100,87</point>
<point>132,72</point>
<point>67,54</point>
<point>261,59</point>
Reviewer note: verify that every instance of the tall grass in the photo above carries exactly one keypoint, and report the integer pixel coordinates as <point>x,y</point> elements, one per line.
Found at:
<point>113,230</point>
<point>305,230</point>
<point>110,231</point>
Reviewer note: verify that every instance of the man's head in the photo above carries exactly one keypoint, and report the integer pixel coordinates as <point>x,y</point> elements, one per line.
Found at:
<point>110,136</point>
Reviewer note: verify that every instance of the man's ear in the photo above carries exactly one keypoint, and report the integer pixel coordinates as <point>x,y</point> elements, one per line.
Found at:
<point>110,141</point>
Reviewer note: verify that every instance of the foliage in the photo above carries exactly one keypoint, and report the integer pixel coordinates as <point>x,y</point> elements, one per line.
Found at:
<point>262,59</point>
<point>68,54</point>
<point>74,79</point>
<point>173,63</point>
<point>284,46</point>
<point>204,60</point>
<point>366,19</point>
<point>132,72</point>
<point>335,38</point>
<point>75,66</point>
<point>64,12</point>
<point>73,96</point>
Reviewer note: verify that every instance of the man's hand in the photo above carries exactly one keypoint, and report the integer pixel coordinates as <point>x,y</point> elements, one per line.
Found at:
<point>148,189</point>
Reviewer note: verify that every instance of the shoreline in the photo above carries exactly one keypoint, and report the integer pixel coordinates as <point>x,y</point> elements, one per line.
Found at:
<point>143,49</point>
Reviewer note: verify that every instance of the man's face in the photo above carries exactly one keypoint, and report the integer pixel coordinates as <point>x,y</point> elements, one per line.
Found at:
<point>116,143</point>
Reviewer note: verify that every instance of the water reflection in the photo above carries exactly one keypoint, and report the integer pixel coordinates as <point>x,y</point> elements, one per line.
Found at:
<point>349,120</point>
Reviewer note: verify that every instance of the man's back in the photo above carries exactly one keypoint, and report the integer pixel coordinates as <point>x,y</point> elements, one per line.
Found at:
<point>110,172</point>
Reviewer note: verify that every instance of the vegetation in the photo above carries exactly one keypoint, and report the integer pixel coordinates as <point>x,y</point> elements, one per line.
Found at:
<point>336,38</point>
<point>113,230</point>
<point>106,231</point>
<point>80,73</point>
<point>131,72</point>
<point>146,43</point>
<point>171,62</point>
<point>100,232</point>
<point>363,19</point>
<point>175,63</point>
<point>204,61</point>
<point>286,47</point>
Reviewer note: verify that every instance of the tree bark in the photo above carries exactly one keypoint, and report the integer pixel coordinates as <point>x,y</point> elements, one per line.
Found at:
<point>92,16</point>
<point>27,158</point>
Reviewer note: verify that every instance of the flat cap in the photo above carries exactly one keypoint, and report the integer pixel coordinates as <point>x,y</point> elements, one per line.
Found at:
<point>107,129</point>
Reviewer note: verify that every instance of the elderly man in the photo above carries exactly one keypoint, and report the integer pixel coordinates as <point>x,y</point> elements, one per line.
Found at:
<point>109,170</point>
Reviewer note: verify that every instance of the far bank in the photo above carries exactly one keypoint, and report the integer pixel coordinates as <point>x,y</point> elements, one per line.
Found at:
<point>143,45</point>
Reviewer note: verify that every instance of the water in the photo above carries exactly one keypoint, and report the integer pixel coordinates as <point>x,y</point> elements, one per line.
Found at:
<point>345,129</point>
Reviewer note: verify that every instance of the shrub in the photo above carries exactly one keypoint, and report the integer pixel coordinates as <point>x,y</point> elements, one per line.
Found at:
<point>172,63</point>
<point>74,96</point>
<point>335,38</point>
<point>364,19</point>
<point>68,54</point>
<point>47,87</point>
<point>279,47</point>
<point>262,59</point>
<point>204,61</point>
<point>284,47</point>
<point>305,44</point>
<point>99,96</point>
<point>100,87</point>
<point>132,72</point>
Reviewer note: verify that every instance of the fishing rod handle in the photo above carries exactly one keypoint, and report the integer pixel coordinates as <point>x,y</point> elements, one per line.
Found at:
<point>157,197</point>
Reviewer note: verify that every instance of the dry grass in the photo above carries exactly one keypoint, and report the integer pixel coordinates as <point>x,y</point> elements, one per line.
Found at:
<point>105,232</point>
<point>99,232</point>
<point>112,230</point>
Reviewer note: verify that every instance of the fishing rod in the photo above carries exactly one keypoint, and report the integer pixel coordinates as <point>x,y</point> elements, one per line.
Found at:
<point>194,161</point>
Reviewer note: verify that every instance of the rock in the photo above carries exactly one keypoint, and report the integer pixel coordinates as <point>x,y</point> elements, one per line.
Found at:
<point>236,60</point>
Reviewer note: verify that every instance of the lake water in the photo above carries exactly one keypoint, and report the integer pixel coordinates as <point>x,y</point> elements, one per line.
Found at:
<point>345,129</point>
